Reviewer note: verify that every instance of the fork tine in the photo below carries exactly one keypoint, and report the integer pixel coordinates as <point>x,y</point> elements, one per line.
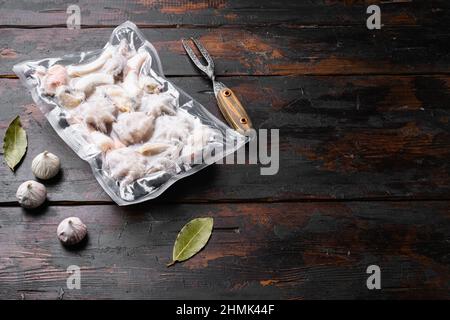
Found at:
<point>209,68</point>
<point>204,52</point>
<point>193,57</point>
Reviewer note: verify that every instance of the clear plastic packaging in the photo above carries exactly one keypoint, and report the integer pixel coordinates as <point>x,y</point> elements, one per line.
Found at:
<point>117,111</point>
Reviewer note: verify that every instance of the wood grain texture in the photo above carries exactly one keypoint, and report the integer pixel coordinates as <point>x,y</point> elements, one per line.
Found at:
<point>340,138</point>
<point>363,115</point>
<point>257,251</point>
<point>257,51</point>
<point>221,12</point>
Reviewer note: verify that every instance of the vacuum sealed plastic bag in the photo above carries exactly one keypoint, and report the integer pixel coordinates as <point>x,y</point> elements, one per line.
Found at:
<point>117,111</point>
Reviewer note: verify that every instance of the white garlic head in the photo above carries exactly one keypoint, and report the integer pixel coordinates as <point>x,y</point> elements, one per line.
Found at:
<point>45,165</point>
<point>71,231</point>
<point>31,194</point>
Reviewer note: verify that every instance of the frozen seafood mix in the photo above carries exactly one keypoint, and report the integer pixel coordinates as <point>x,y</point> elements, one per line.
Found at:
<point>116,110</point>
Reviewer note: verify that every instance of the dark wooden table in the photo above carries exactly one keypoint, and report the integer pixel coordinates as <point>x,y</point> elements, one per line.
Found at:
<point>364,156</point>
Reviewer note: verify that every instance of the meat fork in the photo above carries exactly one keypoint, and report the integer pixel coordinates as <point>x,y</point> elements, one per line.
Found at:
<point>229,105</point>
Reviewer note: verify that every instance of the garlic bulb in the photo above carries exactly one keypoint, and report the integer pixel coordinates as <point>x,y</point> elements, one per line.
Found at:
<point>31,194</point>
<point>45,165</point>
<point>71,231</point>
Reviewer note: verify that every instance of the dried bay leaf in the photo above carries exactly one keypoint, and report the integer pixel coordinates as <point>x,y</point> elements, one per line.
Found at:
<point>14,143</point>
<point>191,239</point>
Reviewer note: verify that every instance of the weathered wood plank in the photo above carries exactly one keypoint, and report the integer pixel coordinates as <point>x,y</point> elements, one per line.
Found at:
<point>287,251</point>
<point>221,12</point>
<point>340,138</point>
<point>258,51</point>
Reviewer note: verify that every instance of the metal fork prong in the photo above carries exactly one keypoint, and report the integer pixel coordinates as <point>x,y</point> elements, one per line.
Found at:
<point>205,53</point>
<point>193,57</point>
<point>207,69</point>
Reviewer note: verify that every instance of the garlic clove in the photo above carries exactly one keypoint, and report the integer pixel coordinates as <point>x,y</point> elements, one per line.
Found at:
<point>31,194</point>
<point>45,165</point>
<point>71,231</point>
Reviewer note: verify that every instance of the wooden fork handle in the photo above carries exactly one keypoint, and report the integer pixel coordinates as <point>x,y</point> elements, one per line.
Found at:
<point>233,111</point>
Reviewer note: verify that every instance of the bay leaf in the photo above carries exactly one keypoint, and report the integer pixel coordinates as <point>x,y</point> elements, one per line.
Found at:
<point>191,239</point>
<point>14,143</point>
